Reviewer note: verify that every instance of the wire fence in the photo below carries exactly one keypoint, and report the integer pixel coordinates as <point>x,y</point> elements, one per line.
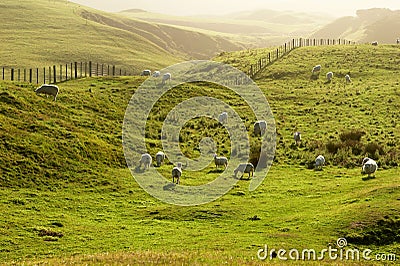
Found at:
<point>61,73</point>
<point>289,46</point>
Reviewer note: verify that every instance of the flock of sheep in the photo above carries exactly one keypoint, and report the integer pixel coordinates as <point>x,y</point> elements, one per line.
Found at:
<point>156,74</point>
<point>329,76</point>
<point>369,166</point>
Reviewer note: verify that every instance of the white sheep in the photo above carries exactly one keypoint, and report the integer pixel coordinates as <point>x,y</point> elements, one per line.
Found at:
<point>223,118</point>
<point>244,168</point>
<point>297,137</point>
<point>177,172</point>
<point>48,89</point>
<point>160,157</point>
<point>319,162</point>
<point>369,166</point>
<point>156,74</point>
<point>375,43</point>
<point>347,78</point>
<point>145,160</point>
<point>166,77</point>
<point>146,72</point>
<point>329,76</point>
<point>316,70</point>
<point>260,127</point>
<point>220,161</point>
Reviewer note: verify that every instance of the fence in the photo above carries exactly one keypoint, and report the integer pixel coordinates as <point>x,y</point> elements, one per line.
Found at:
<point>61,73</point>
<point>284,49</point>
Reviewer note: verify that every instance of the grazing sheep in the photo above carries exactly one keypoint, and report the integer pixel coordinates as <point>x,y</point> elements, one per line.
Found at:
<point>145,160</point>
<point>398,41</point>
<point>177,172</point>
<point>319,162</point>
<point>260,127</point>
<point>220,161</point>
<point>316,70</point>
<point>329,76</point>
<point>369,166</point>
<point>297,137</point>
<point>244,168</point>
<point>375,43</point>
<point>146,73</point>
<point>223,118</point>
<point>347,78</point>
<point>160,157</point>
<point>48,90</point>
<point>166,77</point>
<point>156,74</point>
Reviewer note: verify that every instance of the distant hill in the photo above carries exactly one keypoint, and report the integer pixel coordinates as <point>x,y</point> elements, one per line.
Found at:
<point>42,33</point>
<point>375,24</point>
<point>282,17</point>
<point>256,28</point>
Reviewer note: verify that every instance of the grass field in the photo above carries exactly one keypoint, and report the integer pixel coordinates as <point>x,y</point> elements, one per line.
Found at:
<point>68,198</point>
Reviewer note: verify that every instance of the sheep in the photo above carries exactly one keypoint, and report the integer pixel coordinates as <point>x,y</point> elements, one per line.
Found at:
<point>146,72</point>
<point>244,168</point>
<point>347,78</point>
<point>177,172</point>
<point>319,162</point>
<point>48,89</point>
<point>375,43</point>
<point>260,127</point>
<point>145,160</point>
<point>369,166</point>
<point>297,137</point>
<point>329,76</point>
<point>156,74</point>
<point>160,157</point>
<point>223,118</point>
<point>166,77</point>
<point>316,70</point>
<point>398,41</point>
<point>220,161</point>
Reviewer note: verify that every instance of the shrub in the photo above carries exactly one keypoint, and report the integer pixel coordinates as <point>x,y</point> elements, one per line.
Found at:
<point>372,149</point>
<point>354,135</point>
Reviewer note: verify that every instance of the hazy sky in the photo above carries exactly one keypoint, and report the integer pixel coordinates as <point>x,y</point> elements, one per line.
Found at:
<point>215,7</point>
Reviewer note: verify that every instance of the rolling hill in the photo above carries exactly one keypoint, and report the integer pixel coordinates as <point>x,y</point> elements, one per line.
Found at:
<point>254,28</point>
<point>41,33</point>
<point>369,25</point>
<point>67,196</point>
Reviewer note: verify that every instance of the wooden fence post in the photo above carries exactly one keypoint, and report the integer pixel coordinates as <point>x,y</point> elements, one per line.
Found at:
<point>113,70</point>
<point>24,74</point>
<point>30,75</point>
<point>66,72</point>
<point>76,69</point>
<point>54,74</point>
<point>19,74</point>
<point>37,75</point>
<point>12,74</point>
<point>3,73</point>
<point>61,75</point>
<point>44,75</point>
<point>90,68</point>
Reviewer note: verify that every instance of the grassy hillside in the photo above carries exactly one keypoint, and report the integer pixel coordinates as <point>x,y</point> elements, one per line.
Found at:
<point>42,33</point>
<point>66,191</point>
<point>369,25</point>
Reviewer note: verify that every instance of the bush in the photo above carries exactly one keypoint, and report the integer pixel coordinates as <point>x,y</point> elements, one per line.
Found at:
<point>372,149</point>
<point>354,135</point>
